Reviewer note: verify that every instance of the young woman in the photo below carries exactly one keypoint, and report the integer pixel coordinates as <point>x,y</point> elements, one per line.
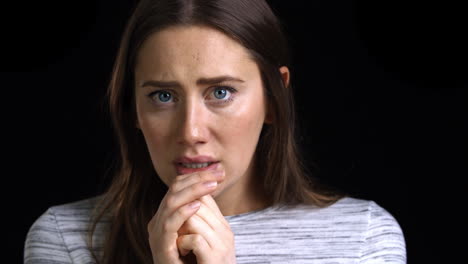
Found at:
<point>202,106</point>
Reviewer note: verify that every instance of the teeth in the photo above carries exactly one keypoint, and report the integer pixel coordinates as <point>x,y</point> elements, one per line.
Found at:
<point>196,165</point>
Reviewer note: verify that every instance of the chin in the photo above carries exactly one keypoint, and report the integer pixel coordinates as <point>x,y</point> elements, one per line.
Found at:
<point>219,190</point>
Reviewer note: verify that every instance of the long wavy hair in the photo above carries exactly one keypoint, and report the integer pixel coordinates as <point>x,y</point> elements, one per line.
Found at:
<point>135,192</point>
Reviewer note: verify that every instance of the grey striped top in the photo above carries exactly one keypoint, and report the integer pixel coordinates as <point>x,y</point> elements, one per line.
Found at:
<point>349,231</point>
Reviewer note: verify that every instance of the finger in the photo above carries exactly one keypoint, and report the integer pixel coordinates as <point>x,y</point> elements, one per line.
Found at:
<point>192,242</point>
<point>183,230</point>
<point>175,200</point>
<point>206,214</point>
<point>175,220</point>
<point>180,206</point>
<point>169,228</point>
<point>182,251</point>
<point>213,206</point>
<point>183,181</point>
<point>196,225</point>
<point>216,220</point>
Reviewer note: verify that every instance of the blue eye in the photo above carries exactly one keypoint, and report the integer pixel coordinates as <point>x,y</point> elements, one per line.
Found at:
<point>164,96</point>
<point>220,93</point>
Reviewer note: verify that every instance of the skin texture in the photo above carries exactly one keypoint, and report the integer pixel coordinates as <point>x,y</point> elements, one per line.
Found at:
<point>194,122</point>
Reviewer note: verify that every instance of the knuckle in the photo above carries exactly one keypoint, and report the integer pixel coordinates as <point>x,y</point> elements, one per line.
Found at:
<point>166,227</point>
<point>170,202</point>
<point>167,251</point>
<point>199,176</point>
<point>195,188</point>
<point>208,177</point>
<point>198,239</point>
<point>180,213</point>
<point>179,178</point>
<point>208,174</point>
<point>174,187</point>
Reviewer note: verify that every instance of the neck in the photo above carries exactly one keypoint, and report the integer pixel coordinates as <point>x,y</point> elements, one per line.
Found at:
<point>242,197</point>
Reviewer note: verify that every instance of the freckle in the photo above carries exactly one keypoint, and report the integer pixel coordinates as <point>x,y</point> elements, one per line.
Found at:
<point>196,57</point>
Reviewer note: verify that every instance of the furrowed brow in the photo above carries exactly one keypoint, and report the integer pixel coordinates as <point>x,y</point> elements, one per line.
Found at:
<point>201,81</point>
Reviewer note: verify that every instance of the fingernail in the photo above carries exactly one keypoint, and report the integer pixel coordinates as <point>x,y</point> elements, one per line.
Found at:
<point>210,184</point>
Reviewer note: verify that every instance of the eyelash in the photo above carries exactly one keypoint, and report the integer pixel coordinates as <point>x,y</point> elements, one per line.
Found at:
<point>230,89</point>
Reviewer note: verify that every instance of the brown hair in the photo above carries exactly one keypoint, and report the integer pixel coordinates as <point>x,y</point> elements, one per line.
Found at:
<point>136,190</point>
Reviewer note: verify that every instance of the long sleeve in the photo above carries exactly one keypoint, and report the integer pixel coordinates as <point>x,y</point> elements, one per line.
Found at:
<point>384,241</point>
<point>45,243</point>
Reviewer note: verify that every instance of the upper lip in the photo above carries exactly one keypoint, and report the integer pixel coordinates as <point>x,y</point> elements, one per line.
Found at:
<point>196,159</point>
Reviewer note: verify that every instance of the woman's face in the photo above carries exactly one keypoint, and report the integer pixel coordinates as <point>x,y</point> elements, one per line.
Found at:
<point>199,93</point>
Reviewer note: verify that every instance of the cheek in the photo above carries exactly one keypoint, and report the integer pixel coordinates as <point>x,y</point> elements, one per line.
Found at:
<point>153,126</point>
<point>156,137</point>
<point>240,132</point>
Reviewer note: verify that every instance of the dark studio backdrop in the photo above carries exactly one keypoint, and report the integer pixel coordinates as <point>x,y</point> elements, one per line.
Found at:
<point>381,91</point>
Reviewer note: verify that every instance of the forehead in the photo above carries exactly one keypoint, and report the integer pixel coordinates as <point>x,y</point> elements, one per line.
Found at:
<point>188,50</point>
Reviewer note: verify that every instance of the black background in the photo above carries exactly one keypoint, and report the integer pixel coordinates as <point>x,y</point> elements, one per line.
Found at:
<point>381,92</point>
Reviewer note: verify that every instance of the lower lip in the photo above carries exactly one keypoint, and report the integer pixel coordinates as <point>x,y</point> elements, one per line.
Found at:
<point>183,170</point>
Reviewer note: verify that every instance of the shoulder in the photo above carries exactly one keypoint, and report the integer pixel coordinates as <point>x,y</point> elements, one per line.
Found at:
<point>77,210</point>
<point>70,216</point>
<point>364,223</point>
<point>365,215</point>
<point>59,231</point>
<point>383,240</point>
<point>347,208</point>
<point>61,217</point>
<point>357,214</point>
<point>349,229</point>
<point>381,235</point>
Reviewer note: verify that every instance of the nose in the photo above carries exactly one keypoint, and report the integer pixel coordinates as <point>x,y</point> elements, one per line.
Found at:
<point>192,123</point>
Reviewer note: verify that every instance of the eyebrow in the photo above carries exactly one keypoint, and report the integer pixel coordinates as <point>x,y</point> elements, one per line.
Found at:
<point>201,81</point>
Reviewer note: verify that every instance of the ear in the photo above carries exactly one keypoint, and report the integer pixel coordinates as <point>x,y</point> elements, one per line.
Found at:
<point>285,76</point>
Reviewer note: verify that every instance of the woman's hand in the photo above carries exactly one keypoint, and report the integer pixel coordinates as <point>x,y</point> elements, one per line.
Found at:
<point>208,235</point>
<point>177,206</point>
